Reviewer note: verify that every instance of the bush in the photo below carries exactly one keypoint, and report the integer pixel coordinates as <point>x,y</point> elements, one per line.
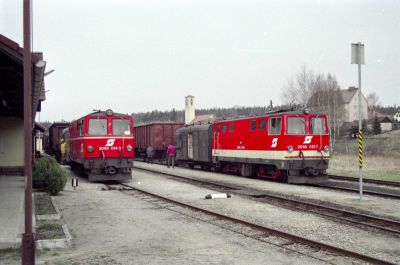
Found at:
<point>48,175</point>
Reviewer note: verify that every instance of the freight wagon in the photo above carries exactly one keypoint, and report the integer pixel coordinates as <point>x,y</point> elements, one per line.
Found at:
<point>53,144</point>
<point>157,134</point>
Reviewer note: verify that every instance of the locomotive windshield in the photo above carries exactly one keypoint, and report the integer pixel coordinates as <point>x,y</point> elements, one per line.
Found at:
<point>97,127</point>
<point>121,127</point>
<point>296,125</point>
<point>317,126</point>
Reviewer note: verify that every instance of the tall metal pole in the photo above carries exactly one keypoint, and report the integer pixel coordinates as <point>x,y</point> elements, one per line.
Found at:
<point>360,143</point>
<point>357,57</point>
<point>28,249</point>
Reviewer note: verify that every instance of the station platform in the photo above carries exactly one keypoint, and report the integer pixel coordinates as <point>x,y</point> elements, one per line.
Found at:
<point>11,211</point>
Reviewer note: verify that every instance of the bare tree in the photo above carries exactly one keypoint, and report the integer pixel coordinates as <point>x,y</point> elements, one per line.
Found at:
<point>289,94</point>
<point>373,100</point>
<point>319,91</point>
<point>300,90</point>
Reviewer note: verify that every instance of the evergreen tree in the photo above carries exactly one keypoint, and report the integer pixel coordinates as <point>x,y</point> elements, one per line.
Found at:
<point>376,126</point>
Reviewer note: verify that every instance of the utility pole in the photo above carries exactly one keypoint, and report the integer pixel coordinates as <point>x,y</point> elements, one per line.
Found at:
<point>357,57</point>
<point>28,238</point>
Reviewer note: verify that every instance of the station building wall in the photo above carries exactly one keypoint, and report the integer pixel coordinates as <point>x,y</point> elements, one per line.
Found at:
<point>11,142</point>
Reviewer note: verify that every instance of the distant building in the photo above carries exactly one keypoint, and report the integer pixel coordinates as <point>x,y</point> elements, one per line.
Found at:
<point>396,117</point>
<point>189,109</point>
<point>349,101</point>
<point>385,122</point>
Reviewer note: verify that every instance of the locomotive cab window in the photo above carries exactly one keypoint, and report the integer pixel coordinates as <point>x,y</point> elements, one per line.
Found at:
<point>296,125</point>
<point>81,128</point>
<point>262,124</point>
<point>253,125</point>
<point>97,127</point>
<point>231,127</point>
<point>275,125</point>
<point>224,128</point>
<point>120,127</point>
<point>317,126</point>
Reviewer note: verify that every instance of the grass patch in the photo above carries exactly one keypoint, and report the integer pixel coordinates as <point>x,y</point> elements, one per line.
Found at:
<point>10,253</point>
<point>374,167</point>
<point>49,230</point>
<point>43,205</point>
<point>381,154</point>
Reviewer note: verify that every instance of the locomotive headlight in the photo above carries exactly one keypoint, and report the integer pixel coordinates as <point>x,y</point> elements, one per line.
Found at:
<point>326,148</point>
<point>109,112</point>
<point>90,148</point>
<point>129,148</point>
<point>290,148</point>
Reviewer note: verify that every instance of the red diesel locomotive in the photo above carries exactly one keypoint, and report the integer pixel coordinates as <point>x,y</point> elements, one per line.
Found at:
<point>292,146</point>
<point>101,144</point>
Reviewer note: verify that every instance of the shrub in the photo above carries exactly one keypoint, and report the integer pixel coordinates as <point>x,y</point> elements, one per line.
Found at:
<point>56,180</point>
<point>48,175</point>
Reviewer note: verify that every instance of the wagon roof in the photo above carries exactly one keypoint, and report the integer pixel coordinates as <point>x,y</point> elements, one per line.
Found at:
<point>159,123</point>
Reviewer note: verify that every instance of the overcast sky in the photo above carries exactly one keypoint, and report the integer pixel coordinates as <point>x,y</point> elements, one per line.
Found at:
<point>141,55</point>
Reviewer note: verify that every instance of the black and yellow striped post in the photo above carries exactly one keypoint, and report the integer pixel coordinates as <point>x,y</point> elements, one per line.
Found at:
<point>360,149</point>
<point>360,160</point>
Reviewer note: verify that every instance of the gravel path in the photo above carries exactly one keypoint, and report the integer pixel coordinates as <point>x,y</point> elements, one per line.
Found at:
<point>299,223</point>
<point>109,227</point>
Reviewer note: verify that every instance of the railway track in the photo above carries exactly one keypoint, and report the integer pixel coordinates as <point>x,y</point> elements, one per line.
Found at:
<point>282,239</point>
<point>365,180</point>
<point>389,189</point>
<point>380,188</point>
<point>298,204</point>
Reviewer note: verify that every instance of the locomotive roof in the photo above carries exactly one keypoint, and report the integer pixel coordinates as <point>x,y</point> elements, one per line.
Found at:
<point>273,113</point>
<point>195,127</point>
<point>103,113</point>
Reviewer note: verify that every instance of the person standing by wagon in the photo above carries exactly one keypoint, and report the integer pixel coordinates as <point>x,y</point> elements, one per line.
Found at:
<point>150,154</point>
<point>62,151</point>
<point>171,153</point>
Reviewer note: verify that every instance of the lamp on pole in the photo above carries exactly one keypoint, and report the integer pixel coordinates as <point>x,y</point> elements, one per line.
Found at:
<point>357,57</point>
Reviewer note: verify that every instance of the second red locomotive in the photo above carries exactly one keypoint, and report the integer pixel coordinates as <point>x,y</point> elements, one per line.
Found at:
<point>292,146</point>
<point>101,144</point>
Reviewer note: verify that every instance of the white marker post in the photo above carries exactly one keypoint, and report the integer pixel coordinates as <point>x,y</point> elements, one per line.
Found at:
<point>74,182</point>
